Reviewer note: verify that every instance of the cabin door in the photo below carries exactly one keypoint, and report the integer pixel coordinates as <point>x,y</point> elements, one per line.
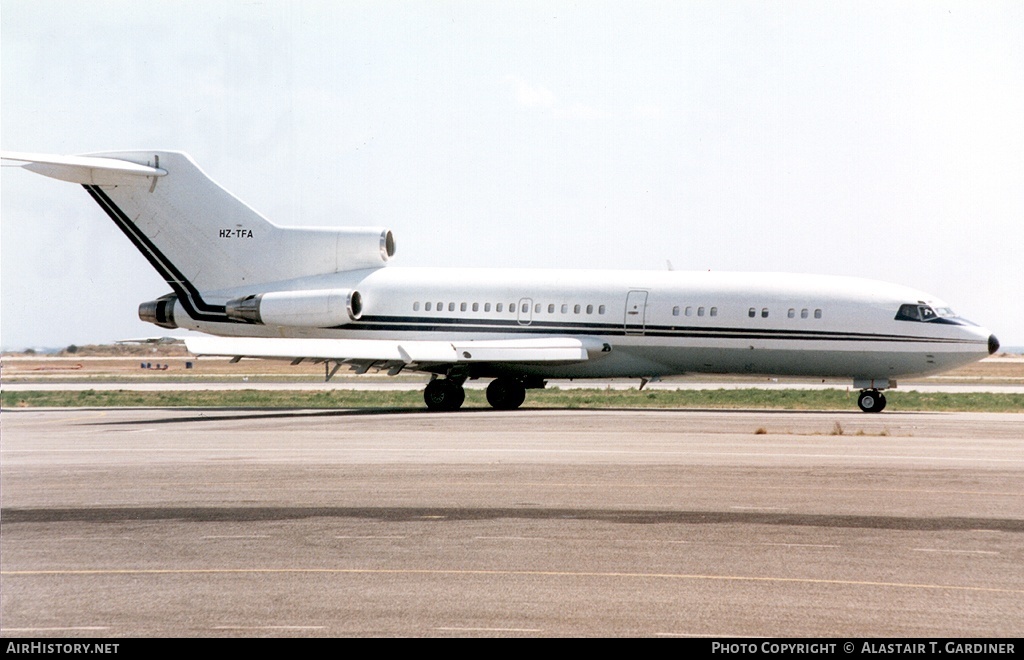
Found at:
<point>636,312</point>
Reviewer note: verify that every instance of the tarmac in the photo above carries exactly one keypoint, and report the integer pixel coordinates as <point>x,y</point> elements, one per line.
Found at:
<point>199,522</point>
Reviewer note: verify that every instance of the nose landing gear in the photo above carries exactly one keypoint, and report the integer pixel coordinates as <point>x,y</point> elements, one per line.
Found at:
<point>871,401</point>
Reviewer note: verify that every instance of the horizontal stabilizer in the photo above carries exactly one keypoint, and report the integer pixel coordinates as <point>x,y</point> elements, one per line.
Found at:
<point>407,352</point>
<point>89,170</point>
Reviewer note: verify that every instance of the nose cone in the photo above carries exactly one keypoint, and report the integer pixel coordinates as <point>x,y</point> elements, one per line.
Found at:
<point>993,344</point>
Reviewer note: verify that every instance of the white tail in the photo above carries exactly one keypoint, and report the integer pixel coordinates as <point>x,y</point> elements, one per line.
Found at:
<point>200,237</point>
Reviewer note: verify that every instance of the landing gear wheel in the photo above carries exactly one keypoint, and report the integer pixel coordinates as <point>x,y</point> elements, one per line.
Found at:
<point>443,395</point>
<point>506,394</point>
<point>871,401</point>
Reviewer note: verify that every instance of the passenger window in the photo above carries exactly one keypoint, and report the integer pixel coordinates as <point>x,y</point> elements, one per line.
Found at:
<point>476,307</point>
<point>752,312</point>
<point>551,308</point>
<point>451,307</point>
<point>764,312</point>
<point>675,311</point>
<point>536,308</point>
<point>565,308</point>
<point>817,313</point>
<point>600,310</point>
<point>440,306</point>
<point>791,313</point>
<point>498,307</point>
<point>415,307</point>
<point>462,307</point>
<point>487,307</point>
<point>714,311</point>
<point>590,309</point>
<point>689,311</point>
<point>803,313</point>
<point>575,309</point>
<point>700,311</point>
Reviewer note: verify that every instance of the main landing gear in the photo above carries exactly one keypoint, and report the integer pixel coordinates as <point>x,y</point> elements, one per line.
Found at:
<point>506,393</point>
<point>871,401</point>
<point>444,394</point>
<point>447,394</point>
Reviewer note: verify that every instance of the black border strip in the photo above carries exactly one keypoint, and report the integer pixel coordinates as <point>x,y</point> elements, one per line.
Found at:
<point>414,324</point>
<point>188,295</point>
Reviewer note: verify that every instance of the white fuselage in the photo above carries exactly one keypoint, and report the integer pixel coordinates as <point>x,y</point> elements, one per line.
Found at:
<point>331,295</point>
<point>655,323</point>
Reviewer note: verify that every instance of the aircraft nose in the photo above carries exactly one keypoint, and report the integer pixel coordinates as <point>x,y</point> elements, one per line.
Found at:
<point>993,344</point>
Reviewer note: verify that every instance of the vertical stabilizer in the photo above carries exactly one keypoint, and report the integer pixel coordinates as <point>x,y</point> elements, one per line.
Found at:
<point>197,235</point>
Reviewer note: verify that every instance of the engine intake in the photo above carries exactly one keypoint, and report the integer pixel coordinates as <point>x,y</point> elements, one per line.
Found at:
<point>320,308</point>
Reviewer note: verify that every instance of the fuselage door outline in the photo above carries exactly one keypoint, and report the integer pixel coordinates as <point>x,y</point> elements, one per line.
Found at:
<point>635,318</point>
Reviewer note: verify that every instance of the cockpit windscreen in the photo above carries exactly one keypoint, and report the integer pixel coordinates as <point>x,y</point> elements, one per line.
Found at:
<point>926,314</point>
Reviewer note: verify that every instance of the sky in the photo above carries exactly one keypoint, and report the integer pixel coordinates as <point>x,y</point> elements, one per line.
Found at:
<point>874,139</point>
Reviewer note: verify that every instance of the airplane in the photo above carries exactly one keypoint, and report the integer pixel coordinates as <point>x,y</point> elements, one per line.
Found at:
<point>330,295</point>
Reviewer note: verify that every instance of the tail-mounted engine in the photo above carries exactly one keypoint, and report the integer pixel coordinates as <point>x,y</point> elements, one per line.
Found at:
<point>320,308</point>
<point>300,252</point>
<point>362,247</point>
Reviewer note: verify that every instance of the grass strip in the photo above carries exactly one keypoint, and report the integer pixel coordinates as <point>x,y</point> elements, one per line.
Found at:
<point>833,399</point>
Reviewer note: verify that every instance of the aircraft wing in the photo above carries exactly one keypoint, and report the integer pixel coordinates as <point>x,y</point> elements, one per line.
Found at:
<point>394,355</point>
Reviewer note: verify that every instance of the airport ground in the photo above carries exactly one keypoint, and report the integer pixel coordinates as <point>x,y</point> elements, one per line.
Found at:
<point>396,522</point>
<point>220,522</point>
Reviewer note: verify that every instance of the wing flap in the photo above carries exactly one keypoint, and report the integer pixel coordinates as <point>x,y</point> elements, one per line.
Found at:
<point>521,350</point>
<point>394,351</point>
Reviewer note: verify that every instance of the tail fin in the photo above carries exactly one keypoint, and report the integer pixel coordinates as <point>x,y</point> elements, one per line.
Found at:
<point>198,236</point>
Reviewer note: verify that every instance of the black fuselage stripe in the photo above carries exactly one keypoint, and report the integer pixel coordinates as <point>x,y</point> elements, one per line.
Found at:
<point>414,323</point>
<point>407,324</point>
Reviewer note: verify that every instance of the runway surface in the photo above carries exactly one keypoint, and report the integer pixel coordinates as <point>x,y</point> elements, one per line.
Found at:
<point>147,522</point>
